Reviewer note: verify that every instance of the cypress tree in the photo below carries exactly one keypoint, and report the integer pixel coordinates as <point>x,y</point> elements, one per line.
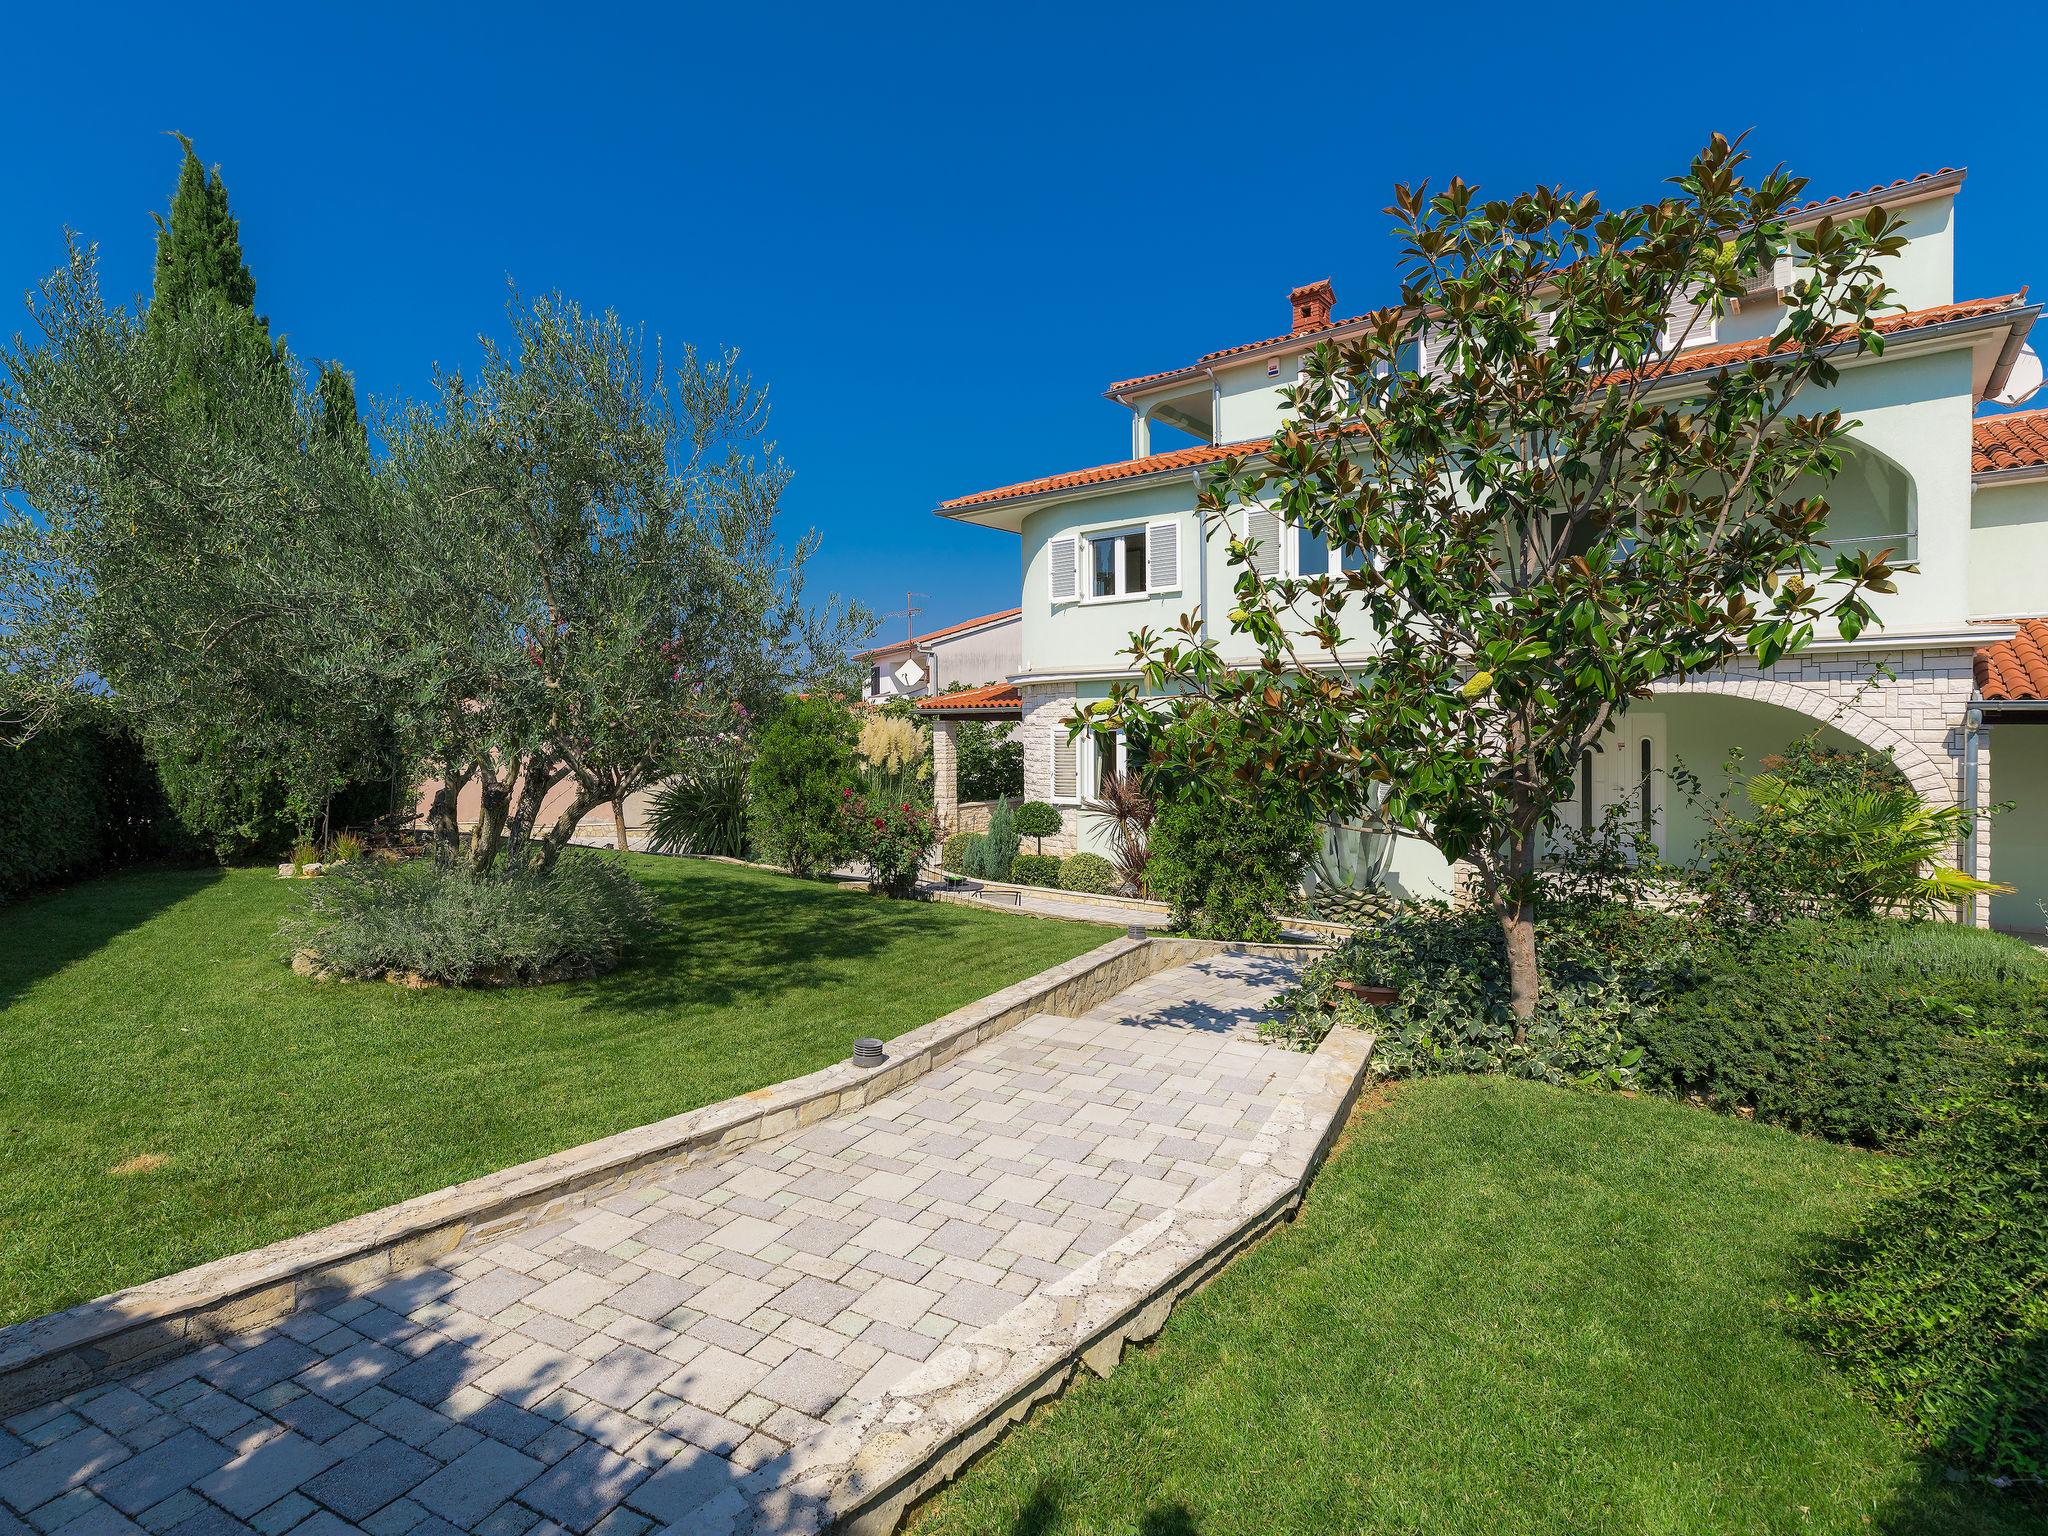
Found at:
<point>199,247</point>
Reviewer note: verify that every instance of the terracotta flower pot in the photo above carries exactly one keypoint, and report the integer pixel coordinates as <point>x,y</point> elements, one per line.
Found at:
<point>1372,997</point>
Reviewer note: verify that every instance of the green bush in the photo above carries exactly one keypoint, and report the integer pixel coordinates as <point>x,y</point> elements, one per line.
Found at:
<point>802,774</point>
<point>1036,869</point>
<point>991,763</point>
<point>1038,821</point>
<point>1603,969</point>
<point>1937,1305</point>
<point>703,809</point>
<point>957,853</point>
<point>996,853</point>
<point>891,837</point>
<point>1226,868</point>
<point>76,798</point>
<point>442,923</point>
<point>1841,1029</point>
<point>1089,872</point>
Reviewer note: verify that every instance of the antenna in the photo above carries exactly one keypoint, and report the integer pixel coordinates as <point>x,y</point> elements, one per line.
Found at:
<point>908,614</point>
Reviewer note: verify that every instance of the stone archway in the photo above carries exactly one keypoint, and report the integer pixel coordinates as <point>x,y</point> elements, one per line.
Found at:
<point>1933,780</point>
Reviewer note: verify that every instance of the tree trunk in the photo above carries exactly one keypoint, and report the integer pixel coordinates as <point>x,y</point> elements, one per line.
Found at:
<point>441,813</point>
<point>564,828</point>
<point>490,827</point>
<point>619,823</point>
<point>536,775</point>
<point>1514,902</point>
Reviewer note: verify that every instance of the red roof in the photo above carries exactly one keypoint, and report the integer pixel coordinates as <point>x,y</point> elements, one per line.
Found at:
<point>1818,205</point>
<point>2016,668</point>
<point>994,697</point>
<point>2018,440</point>
<point>1693,360</point>
<point>940,634</point>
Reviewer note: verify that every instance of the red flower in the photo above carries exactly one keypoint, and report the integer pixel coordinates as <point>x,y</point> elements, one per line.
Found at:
<point>879,821</point>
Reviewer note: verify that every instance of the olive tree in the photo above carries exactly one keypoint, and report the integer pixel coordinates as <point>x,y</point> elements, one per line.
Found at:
<point>1540,510</point>
<point>592,560</point>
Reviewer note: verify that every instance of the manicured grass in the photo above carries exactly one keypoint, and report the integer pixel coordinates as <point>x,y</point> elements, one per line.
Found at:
<point>1505,1308</point>
<point>150,1017</point>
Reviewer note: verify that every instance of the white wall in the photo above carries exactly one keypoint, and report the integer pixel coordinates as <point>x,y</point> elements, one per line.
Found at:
<point>2009,550</point>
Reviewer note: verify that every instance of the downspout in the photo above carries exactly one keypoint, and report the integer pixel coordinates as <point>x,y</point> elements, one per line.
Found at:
<point>1201,559</point>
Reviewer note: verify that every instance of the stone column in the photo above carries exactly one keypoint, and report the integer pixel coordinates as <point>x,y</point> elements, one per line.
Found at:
<point>946,775</point>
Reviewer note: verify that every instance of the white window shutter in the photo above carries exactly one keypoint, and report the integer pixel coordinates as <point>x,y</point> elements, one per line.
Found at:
<point>1688,325</point>
<point>1262,527</point>
<point>1434,339</point>
<point>1063,560</point>
<point>1162,556</point>
<point>1066,768</point>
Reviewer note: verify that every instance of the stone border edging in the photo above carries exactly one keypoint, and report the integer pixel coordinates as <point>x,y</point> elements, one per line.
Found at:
<point>127,1330</point>
<point>861,1474</point>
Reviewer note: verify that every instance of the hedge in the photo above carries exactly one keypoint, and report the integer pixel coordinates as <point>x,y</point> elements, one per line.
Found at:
<point>76,798</point>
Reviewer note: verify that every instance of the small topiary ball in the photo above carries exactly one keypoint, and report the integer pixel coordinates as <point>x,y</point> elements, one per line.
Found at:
<point>1037,819</point>
<point>1089,872</point>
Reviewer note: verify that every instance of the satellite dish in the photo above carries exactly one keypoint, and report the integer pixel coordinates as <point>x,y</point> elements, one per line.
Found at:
<point>2024,379</point>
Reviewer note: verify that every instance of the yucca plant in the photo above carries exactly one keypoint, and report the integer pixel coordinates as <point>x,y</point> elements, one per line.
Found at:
<point>1871,850</point>
<point>1129,808</point>
<point>703,809</point>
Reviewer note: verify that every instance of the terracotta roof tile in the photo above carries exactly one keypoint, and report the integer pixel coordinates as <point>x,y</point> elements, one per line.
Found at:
<point>1693,360</point>
<point>2018,440</point>
<point>940,634</point>
<point>995,696</point>
<point>1700,359</point>
<point>2016,668</point>
<point>1818,205</point>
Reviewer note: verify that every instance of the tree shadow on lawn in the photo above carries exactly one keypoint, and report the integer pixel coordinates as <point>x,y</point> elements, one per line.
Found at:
<point>40,935</point>
<point>1040,1516</point>
<point>727,941</point>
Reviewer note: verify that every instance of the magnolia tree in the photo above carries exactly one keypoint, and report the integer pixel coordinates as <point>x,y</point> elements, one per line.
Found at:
<point>591,557</point>
<point>1541,516</point>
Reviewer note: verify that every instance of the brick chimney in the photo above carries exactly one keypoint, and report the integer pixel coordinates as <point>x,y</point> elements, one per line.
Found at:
<point>1311,306</point>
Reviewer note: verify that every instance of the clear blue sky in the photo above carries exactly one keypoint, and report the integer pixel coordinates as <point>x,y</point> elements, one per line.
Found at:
<point>937,235</point>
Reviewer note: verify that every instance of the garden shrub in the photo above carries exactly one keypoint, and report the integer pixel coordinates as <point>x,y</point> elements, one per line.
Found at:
<point>1838,1028</point>
<point>1036,869</point>
<point>1089,872</point>
<point>1603,967</point>
<point>1227,868</point>
<point>798,784</point>
<point>442,923</point>
<point>1038,821</point>
<point>703,809</point>
<point>996,853</point>
<point>991,760</point>
<point>77,798</point>
<point>957,853</point>
<point>891,838</point>
<point>1937,1305</point>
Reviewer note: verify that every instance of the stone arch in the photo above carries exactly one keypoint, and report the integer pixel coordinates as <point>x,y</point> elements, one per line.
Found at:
<point>1933,781</point>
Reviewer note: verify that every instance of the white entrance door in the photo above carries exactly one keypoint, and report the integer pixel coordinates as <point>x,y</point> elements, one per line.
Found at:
<point>1626,769</point>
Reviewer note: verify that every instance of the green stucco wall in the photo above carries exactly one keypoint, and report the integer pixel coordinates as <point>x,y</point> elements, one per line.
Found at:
<point>2019,838</point>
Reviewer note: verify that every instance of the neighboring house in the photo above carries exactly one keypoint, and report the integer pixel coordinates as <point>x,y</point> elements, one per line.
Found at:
<point>1964,709</point>
<point>967,654</point>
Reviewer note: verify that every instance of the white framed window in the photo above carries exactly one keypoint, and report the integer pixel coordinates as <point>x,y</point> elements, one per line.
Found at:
<point>1099,757</point>
<point>1110,564</point>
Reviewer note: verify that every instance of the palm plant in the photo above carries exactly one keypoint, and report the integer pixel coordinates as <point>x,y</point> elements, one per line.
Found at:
<point>1129,808</point>
<point>703,809</point>
<point>1870,849</point>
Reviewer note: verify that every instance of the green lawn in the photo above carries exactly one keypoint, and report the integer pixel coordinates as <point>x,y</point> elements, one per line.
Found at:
<point>149,1016</point>
<point>1505,1309</point>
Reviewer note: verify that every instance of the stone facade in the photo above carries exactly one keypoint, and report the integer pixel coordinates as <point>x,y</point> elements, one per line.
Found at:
<point>1047,707</point>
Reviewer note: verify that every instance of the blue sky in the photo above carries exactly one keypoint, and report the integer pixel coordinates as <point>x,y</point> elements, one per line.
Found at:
<point>937,234</point>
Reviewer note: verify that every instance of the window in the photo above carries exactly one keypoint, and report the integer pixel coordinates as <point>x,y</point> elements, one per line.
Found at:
<point>1100,757</point>
<point>1116,563</point>
<point>875,681</point>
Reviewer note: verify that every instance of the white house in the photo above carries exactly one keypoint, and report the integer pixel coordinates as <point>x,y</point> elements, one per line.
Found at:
<point>970,653</point>
<point>1961,490</point>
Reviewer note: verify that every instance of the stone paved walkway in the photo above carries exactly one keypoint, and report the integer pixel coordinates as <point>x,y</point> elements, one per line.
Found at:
<point>620,1370</point>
